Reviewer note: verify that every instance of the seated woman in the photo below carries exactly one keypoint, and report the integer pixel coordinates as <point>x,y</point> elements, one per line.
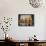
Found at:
<point>35,38</point>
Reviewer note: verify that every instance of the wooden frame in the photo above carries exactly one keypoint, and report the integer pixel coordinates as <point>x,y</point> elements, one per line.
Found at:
<point>26,20</point>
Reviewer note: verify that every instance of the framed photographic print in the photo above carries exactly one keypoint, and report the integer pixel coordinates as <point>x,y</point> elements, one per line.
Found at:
<point>26,20</point>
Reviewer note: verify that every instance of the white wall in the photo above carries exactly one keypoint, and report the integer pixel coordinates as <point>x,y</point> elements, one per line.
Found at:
<point>11,8</point>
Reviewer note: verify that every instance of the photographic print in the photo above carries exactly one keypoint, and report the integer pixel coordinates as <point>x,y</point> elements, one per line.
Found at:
<point>26,20</point>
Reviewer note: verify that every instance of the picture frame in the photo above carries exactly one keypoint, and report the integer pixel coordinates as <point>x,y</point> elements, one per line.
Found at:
<point>26,20</point>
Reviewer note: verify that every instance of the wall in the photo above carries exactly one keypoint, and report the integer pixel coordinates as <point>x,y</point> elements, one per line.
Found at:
<point>11,8</point>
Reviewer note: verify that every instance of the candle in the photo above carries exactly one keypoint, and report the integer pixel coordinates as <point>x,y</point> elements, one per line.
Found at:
<point>7,35</point>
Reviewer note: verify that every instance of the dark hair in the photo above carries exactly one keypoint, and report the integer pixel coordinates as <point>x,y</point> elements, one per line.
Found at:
<point>34,35</point>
